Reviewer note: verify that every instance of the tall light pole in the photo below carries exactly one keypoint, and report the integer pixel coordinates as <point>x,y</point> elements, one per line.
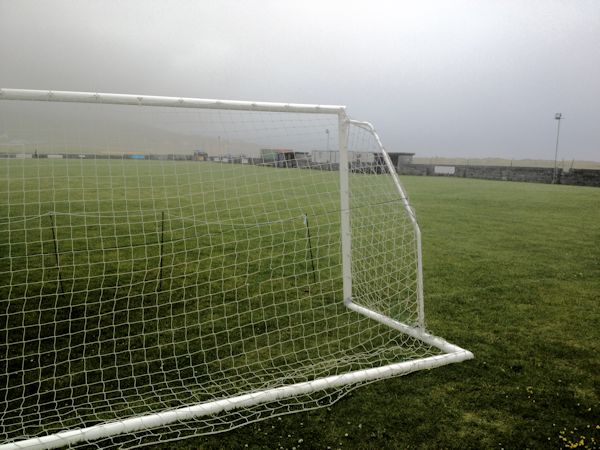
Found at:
<point>558,117</point>
<point>327,133</point>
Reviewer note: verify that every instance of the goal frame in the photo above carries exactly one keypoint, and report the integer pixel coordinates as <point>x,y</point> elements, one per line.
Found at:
<point>451,353</point>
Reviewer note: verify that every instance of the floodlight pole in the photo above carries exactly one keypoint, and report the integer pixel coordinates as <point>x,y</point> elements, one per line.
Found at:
<point>558,117</point>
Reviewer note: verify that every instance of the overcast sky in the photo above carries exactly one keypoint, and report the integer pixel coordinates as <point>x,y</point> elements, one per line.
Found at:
<point>440,78</point>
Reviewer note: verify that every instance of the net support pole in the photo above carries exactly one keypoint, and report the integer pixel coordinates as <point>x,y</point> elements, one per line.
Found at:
<point>346,236</point>
<point>161,249</point>
<point>56,254</point>
<point>310,250</point>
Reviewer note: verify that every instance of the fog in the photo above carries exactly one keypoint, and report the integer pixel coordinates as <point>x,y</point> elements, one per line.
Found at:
<point>438,78</point>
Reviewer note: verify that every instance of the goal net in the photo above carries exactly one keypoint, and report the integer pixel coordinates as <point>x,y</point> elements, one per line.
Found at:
<point>177,267</point>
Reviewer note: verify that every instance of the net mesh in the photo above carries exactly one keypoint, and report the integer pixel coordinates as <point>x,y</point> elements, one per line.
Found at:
<point>156,258</point>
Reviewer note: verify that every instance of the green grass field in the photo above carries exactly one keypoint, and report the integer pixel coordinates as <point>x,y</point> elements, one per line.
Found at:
<point>512,273</point>
<point>131,287</point>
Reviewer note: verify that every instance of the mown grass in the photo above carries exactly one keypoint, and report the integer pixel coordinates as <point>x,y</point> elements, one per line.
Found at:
<point>512,272</point>
<point>131,287</point>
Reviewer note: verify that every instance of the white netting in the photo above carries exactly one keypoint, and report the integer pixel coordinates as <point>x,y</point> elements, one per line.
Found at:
<point>156,258</point>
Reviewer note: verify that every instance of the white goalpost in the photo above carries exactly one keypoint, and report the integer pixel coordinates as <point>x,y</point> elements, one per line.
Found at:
<point>176,267</point>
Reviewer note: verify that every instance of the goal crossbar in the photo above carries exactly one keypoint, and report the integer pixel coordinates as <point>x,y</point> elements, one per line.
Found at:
<point>174,102</point>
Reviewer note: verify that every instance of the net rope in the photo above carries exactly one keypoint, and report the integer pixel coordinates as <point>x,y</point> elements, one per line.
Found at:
<point>156,258</point>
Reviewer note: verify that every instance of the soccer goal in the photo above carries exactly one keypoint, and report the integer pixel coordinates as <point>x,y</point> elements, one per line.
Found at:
<point>175,267</point>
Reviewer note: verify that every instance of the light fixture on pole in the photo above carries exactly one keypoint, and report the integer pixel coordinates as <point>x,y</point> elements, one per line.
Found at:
<point>558,117</point>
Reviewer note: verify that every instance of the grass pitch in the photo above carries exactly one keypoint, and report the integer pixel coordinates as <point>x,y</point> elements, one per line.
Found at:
<point>512,272</point>
<point>131,287</point>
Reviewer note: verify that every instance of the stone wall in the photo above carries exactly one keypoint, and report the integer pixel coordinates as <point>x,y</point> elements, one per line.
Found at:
<point>579,177</point>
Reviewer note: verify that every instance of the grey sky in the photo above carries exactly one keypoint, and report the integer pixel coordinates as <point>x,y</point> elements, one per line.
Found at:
<point>446,78</point>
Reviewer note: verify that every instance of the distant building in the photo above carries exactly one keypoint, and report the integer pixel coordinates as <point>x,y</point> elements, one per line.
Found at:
<point>200,156</point>
<point>283,157</point>
<point>276,154</point>
<point>400,158</point>
<point>333,156</point>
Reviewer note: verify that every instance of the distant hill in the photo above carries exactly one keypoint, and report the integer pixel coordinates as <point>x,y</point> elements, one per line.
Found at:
<point>68,128</point>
